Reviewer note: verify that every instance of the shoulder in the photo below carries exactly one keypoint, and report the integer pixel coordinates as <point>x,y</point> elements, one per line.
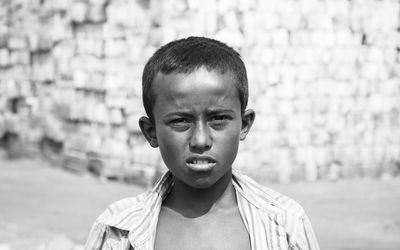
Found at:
<point>127,211</point>
<point>267,199</point>
<point>276,209</point>
<point>133,204</point>
<point>111,226</point>
<point>128,216</point>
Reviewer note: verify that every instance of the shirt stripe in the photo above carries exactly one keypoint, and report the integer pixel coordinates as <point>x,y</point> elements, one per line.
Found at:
<point>273,221</point>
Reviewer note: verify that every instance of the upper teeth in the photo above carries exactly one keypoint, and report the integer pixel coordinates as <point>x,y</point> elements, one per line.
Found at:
<point>200,162</point>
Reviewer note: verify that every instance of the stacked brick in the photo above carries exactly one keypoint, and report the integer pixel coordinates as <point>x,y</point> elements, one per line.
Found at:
<point>327,74</point>
<point>324,80</point>
<point>323,64</point>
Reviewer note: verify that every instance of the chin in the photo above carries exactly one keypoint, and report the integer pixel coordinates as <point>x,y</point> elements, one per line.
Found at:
<point>201,184</point>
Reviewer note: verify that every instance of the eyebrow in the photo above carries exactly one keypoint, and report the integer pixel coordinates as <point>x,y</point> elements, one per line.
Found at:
<point>179,113</point>
<point>220,110</point>
<point>209,112</point>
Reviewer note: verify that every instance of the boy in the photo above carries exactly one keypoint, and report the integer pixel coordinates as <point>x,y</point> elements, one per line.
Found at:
<point>195,95</point>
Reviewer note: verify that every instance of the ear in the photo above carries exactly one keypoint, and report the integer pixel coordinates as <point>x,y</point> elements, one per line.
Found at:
<point>148,130</point>
<point>247,121</point>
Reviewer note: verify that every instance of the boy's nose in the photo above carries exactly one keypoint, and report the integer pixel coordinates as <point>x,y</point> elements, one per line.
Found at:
<point>201,138</point>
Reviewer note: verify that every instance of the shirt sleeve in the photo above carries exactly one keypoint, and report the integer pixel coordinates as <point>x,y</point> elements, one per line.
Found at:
<point>96,237</point>
<point>304,238</point>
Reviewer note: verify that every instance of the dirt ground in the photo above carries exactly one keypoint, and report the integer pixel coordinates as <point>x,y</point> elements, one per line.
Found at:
<point>39,202</point>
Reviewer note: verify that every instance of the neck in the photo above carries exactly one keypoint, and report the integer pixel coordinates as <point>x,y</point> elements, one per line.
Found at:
<point>194,202</point>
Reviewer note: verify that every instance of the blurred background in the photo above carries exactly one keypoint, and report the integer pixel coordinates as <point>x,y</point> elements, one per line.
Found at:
<point>324,80</point>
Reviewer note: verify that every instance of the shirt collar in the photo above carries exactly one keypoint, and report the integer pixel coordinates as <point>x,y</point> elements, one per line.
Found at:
<point>143,227</point>
<point>140,219</point>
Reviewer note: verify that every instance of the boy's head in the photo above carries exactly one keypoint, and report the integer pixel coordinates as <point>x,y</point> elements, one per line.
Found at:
<point>189,54</point>
<point>195,94</point>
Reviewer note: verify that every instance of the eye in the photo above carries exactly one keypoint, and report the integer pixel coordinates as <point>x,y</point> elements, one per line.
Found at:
<point>219,120</point>
<point>180,123</point>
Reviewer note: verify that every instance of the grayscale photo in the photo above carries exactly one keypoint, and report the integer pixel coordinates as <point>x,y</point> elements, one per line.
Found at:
<point>200,125</point>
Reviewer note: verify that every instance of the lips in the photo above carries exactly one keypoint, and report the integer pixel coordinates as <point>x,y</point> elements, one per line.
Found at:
<point>201,163</point>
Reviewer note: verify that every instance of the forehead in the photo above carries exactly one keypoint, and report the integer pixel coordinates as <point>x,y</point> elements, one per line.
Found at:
<point>199,86</point>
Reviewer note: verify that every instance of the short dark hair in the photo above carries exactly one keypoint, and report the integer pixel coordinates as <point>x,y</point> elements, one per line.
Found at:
<point>187,55</point>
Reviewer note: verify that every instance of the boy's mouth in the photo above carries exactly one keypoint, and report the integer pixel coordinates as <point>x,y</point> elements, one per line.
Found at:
<point>200,163</point>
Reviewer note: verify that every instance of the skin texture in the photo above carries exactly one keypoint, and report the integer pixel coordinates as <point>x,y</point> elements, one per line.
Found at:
<point>198,116</point>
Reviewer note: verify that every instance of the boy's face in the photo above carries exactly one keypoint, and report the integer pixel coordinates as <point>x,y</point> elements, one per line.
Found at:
<point>197,125</point>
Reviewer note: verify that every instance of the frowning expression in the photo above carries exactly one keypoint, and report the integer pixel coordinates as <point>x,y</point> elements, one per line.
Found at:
<point>198,125</point>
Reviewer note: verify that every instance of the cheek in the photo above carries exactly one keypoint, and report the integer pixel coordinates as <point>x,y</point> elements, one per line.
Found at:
<point>170,145</point>
<point>230,144</point>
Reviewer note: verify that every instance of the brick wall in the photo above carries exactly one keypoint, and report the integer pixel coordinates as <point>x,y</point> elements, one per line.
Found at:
<point>324,79</point>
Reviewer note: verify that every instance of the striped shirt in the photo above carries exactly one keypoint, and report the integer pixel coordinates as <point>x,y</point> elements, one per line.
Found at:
<point>272,220</point>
